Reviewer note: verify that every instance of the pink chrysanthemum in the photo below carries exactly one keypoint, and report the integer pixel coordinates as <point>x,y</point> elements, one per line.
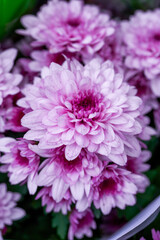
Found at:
<point>83,107</point>
<point>143,86</point>
<point>147,131</point>
<point>8,210</point>
<point>113,49</point>
<point>20,162</point>
<point>138,166</point>
<point>44,58</point>
<point>10,115</point>
<point>142,39</point>
<point>23,67</point>
<point>8,81</point>
<point>63,175</point>
<point>114,188</point>
<point>71,27</point>
<point>51,205</point>
<point>81,224</point>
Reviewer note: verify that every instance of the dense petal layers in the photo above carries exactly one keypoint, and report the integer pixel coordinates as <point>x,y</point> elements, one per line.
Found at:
<point>20,162</point>
<point>51,205</point>
<point>83,107</point>
<point>72,27</point>
<point>141,35</point>
<point>75,176</point>
<point>114,188</point>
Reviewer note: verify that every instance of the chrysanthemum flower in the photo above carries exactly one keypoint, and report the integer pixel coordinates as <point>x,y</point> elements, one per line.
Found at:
<point>8,210</point>
<point>72,27</point>
<point>142,83</point>
<point>142,39</point>
<point>113,188</point>
<point>138,166</point>
<point>22,67</point>
<point>113,49</point>
<point>8,81</point>
<point>81,224</point>
<point>10,115</point>
<point>43,58</point>
<point>63,175</point>
<point>83,107</point>
<point>51,205</point>
<point>20,162</point>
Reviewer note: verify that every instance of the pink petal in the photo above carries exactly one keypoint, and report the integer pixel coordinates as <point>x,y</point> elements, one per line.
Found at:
<point>72,151</point>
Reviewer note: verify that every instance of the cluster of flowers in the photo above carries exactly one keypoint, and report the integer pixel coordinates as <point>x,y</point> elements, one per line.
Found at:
<point>80,95</point>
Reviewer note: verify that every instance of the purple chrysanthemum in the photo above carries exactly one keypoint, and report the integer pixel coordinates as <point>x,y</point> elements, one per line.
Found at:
<point>63,175</point>
<point>113,49</point>
<point>81,223</point>
<point>8,210</point>
<point>8,81</point>
<point>114,188</point>
<point>142,83</point>
<point>138,166</point>
<point>20,162</point>
<point>72,27</point>
<point>63,205</point>
<point>142,39</point>
<point>83,107</point>
<point>43,58</point>
<point>10,115</point>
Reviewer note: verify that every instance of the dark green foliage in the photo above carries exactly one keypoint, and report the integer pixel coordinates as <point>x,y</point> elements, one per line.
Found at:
<point>10,12</point>
<point>61,223</point>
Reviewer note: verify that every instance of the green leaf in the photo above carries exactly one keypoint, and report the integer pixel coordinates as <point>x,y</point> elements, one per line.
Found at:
<point>153,175</point>
<point>97,213</point>
<point>60,222</point>
<point>11,11</point>
<point>152,144</point>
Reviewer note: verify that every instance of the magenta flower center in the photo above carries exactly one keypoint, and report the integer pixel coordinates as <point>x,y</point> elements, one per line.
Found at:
<point>86,103</point>
<point>156,37</point>
<point>141,84</point>
<point>66,165</point>
<point>21,160</point>
<point>73,22</point>
<point>87,219</point>
<point>108,186</point>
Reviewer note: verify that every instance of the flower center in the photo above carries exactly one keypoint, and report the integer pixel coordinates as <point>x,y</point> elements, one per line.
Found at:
<point>73,22</point>
<point>19,160</point>
<point>108,186</point>
<point>156,37</point>
<point>86,103</point>
<point>141,84</point>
